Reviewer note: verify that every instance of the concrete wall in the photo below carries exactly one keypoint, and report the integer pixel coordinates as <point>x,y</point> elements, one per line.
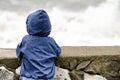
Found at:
<point>98,60</point>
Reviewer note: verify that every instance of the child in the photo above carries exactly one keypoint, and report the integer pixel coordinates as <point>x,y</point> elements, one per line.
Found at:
<point>38,51</point>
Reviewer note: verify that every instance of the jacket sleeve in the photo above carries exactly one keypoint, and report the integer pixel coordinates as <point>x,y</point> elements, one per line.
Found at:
<point>18,50</point>
<point>57,49</point>
<point>19,53</point>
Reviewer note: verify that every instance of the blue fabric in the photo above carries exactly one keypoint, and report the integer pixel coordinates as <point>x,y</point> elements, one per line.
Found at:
<point>24,78</point>
<point>37,50</point>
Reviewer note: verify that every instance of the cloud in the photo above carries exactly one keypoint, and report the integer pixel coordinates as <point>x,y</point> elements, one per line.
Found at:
<point>27,5</point>
<point>12,26</point>
<point>98,24</point>
<point>93,26</point>
<point>75,5</point>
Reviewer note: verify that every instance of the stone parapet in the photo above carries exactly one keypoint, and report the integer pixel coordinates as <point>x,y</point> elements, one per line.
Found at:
<point>79,61</point>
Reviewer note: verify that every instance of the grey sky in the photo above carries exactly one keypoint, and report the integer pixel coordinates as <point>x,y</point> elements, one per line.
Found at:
<point>27,5</point>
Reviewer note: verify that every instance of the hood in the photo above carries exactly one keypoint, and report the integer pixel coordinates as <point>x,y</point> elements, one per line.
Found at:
<point>38,23</point>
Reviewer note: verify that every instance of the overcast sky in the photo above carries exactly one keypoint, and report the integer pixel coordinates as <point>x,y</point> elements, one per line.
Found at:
<point>27,5</point>
<point>74,22</point>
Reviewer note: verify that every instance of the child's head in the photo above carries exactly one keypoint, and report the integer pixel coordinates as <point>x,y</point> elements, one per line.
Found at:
<point>38,23</point>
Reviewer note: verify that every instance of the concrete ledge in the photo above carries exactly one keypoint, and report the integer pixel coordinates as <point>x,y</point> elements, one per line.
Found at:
<point>72,51</point>
<point>76,51</point>
<point>7,53</point>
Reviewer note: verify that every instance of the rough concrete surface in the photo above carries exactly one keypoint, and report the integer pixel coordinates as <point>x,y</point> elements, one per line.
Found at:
<point>76,51</point>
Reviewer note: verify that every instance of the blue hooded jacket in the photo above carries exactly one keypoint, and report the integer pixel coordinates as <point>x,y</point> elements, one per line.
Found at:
<point>37,50</point>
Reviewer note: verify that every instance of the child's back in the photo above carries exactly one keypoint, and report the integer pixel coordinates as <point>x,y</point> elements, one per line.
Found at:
<point>37,50</point>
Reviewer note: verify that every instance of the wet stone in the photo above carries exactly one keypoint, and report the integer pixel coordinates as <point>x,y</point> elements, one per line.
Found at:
<point>112,70</point>
<point>83,65</point>
<point>6,74</point>
<point>61,74</point>
<point>93,77</point>
<point>73,64</point>
<point>76,75</point>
